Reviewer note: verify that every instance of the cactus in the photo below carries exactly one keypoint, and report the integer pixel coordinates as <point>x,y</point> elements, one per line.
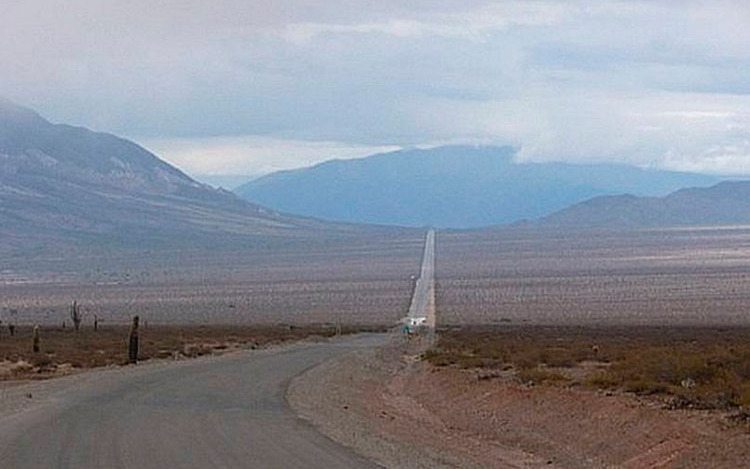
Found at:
<point>133,341</point>
<point>35,338</point>
<point>75,315</point>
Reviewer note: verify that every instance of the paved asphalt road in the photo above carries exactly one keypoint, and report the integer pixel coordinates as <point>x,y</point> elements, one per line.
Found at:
<point>225,412</point>
<point>423,300</point>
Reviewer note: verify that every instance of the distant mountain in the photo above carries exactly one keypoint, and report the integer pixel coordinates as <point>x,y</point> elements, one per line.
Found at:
<point>727,203</point>
<point>62,184</point>
<point>452,186</point>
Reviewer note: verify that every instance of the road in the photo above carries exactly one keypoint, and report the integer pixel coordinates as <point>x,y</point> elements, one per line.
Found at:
<point>218,412</point>
<point>423,301</point>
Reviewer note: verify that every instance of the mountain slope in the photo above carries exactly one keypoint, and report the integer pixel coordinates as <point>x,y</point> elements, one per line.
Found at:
<point>727,203</point>
<point>62,184</point>
<point>453,186</point>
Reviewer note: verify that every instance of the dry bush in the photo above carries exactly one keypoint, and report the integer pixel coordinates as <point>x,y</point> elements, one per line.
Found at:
<point>494,347</point>
<point>541,376</point>
<point>694,367</point>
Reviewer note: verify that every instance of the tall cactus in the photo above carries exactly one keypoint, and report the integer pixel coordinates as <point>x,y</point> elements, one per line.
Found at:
<point>133,341</point>
<point>75,315</point>
<point>35,338</point>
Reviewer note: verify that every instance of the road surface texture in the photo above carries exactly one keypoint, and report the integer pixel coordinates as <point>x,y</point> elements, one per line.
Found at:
<point>423,301</point>
<point>217,412</point>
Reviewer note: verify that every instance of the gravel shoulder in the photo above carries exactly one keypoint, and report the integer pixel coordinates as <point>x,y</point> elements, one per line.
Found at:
<point>393,408</point>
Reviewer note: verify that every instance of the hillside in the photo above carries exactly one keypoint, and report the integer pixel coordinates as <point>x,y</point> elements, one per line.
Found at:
<point>727,203</point>
<point>452,186</point>
<point>62,185</point>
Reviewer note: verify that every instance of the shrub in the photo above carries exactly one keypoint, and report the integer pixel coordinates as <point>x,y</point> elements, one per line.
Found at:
<point>539,376</point>
<point>699,367</point>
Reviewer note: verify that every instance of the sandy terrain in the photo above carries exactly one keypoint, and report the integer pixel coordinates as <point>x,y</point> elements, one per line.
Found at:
<point>399,411</point>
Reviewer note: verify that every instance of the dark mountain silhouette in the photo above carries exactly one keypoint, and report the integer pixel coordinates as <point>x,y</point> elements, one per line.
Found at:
<point>726,203</point>
<point>60,183</point>
<point>453,186</point>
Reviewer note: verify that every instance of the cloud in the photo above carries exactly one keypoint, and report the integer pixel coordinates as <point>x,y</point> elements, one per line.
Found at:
<point>650,83</point>
<point>252,156</point>
<point>474,24</point>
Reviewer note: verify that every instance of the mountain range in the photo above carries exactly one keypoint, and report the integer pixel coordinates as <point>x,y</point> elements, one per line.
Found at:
<point>726,203</point>
<point>452,186</point>
<point>63,186</point>
<point>66,184</point>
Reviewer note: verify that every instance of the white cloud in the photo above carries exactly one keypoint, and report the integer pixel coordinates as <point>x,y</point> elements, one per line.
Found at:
<point>474,24</point>
<point>652,83</point>
<point>252,156</point>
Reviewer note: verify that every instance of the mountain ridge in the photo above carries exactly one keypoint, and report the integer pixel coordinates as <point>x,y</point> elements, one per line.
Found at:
<point>725,203</point>
<point>62,185</point>
<point>450,187</point>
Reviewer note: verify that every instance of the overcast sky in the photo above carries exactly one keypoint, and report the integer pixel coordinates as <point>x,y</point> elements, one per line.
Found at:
<point>244,87</point>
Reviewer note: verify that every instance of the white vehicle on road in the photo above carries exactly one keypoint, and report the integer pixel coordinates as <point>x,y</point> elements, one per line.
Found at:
<point>419,321</point>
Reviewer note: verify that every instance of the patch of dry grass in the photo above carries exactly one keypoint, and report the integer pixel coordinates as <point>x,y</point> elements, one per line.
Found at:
<point>696,367</point>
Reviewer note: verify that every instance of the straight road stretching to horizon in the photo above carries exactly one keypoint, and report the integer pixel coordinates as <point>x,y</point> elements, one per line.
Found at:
<point>423,301</point>
<point>220,412</point>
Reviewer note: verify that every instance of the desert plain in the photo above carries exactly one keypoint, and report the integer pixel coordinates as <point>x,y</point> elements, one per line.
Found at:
<point>553,348</point>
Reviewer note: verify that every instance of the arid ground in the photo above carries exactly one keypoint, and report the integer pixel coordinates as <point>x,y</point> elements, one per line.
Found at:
<point>564,350</point>
<point>458,407</point>
<point>591,350</point>
<point>667,277</point>
<point>363,280</point>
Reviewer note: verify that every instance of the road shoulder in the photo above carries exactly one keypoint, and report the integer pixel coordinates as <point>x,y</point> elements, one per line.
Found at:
<point>359,401</point>
<point>397,410</point>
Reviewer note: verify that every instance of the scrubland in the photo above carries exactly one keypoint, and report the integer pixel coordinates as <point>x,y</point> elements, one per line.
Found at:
<point>689,367</point>
<point>657,312</point>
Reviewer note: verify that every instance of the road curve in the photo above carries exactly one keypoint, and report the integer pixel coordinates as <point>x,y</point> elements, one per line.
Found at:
<point>220,412</point>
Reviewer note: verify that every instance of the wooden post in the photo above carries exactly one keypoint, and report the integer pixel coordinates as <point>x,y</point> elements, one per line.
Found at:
<point>133,341</point>
<point>35,338</point>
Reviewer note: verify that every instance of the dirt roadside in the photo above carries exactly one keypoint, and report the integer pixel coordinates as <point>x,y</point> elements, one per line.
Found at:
<point>402,413</point>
